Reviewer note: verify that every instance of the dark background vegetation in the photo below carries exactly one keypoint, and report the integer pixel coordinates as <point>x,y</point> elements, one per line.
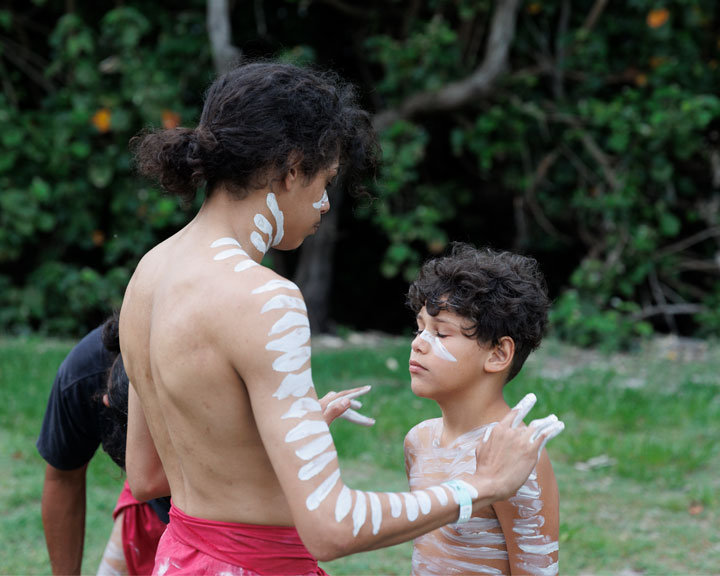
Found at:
<point>583,132</point>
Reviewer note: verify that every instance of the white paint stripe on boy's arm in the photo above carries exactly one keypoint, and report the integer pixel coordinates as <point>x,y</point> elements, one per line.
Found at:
<point>359,512</point>
<point>295,385</point>
<point>289,320</point>
<point>283,301</point>
<point>302,407</point>
<point>376,512</point>
<point>291,341</point>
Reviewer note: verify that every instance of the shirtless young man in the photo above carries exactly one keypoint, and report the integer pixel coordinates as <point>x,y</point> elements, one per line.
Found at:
<point>217,347</point>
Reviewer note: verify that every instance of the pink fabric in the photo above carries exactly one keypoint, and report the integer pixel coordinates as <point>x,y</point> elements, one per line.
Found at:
<point>196,546</point>
<point>141,532</point>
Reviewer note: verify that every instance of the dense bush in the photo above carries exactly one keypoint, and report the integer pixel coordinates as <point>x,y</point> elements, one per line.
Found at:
<point>597,148</point>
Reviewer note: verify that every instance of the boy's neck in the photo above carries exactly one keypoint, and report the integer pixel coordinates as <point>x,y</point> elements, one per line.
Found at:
<point>482,405</point>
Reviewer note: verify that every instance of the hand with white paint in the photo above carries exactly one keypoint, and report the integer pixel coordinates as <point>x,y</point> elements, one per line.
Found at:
<point>510,450</point>
<point>343,405</point>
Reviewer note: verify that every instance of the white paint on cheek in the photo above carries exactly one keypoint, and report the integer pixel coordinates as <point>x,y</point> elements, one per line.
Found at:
<point>376,511</point>
<point>424,501</point>
<point>359,512</point>
<point>293,360</point>
<point>258,242</point>
<point>312,469</point>
<point>318,205</point>
<point>244,265</point>
<point>307,428</point>
<point>440,494</point>
<point>230,253</point>
<point>291,341</point>
<point>302,407</point>
<point>312,449</point>
<point>411,506</point>
<point>317,497</point>
<point>343,504</point>
<point>279,218</point>
<point>437,346</point>
<point>295,385</point>
<point>289,320</point>
<point>275,284</point>
<point>283,301</point>
<point>395,505</point>
<point>226,241</point>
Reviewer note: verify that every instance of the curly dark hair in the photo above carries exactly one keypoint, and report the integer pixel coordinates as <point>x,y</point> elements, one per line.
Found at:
<point>499,293</point>
<point>258,120</point>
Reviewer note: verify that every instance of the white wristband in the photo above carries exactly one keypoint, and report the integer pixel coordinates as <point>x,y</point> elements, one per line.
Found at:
<point>462,497</point>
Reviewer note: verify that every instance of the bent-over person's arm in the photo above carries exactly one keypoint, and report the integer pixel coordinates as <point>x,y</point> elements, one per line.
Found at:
<point>63,516</point>
<point>332,519</point>
<point>145,472</point>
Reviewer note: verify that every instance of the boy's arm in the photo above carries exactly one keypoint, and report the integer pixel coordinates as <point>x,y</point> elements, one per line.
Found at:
<point>530,522</point>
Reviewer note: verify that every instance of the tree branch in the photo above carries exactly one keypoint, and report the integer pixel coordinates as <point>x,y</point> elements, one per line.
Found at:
<point>458,94</point>
<point>225,54</point>
<point>669,309</point>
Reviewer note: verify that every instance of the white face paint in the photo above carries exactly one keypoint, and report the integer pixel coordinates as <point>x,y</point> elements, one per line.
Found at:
<point>437,346</point>
<point>323,200</point>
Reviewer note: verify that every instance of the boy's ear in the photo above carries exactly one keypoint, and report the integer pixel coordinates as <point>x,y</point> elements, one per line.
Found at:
<point>501,356</point>
<point>293,174</point>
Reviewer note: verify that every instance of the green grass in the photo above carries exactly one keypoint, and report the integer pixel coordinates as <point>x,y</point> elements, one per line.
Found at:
<point>649,505</point>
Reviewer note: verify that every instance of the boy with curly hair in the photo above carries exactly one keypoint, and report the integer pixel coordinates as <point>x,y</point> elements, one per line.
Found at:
<point>479,315</point>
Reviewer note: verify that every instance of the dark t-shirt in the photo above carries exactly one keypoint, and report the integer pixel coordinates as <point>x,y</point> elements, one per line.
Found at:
<point>76,420</point>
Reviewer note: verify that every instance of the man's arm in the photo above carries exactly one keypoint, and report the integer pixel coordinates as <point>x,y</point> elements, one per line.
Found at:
<point>530,522</point>
<point>145,472</point>
<point>63,515</point>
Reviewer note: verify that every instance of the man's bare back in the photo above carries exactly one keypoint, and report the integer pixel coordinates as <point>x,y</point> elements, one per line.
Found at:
<point>217,348</point>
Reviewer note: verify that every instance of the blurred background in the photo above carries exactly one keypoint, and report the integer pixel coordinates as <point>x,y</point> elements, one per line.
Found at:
<point>585,133</point>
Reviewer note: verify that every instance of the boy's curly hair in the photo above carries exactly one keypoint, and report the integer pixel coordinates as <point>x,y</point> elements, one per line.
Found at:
<point>499,293</point>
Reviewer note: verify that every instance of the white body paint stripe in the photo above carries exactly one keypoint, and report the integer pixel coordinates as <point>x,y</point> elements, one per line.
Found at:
<point>258,242</point>
<point>295,385</point>
<point>316,498</point>
<point>230,253</point>
<point>244,265</point>
<point>312,469</point>
<point>291,341</point>
<point>359,512</point>
<point>307,428</point>
<point>312,449</point>
<point>424,501</point>
<point>275,284</point>
<point>263,225</point>
<point>289,320</point>
<point>395,505</point>
<point>376,511</point>
<point>226,241</point>
<point>411,506</point>
<point>302,407</point>
<point>343,504</point>
<point>440,494</point>
<point>279,218</point>
<point>283,301</point>
<point>539,548</point>
<point>291,361</point>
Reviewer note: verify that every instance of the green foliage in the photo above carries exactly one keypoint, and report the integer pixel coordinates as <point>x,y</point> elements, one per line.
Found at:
<point>71,233</point>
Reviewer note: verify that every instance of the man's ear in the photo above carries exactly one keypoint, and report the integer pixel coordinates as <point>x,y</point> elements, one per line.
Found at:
<point>501,355</point>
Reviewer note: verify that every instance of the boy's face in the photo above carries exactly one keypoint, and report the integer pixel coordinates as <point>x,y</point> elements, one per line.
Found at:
<point>443,360</point>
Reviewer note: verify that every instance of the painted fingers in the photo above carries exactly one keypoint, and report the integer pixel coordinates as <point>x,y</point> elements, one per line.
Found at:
<point>545,429</point>
<point>343,405</point>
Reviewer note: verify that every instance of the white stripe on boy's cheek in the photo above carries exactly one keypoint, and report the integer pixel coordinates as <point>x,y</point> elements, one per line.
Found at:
<point>295,385</point>
<point>316,498</point>
<point>437,346</point>
<point>289,320</point>
<point>279,218</point>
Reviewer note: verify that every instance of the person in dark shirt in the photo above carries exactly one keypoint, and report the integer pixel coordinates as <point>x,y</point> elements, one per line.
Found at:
<point>88,408</point>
